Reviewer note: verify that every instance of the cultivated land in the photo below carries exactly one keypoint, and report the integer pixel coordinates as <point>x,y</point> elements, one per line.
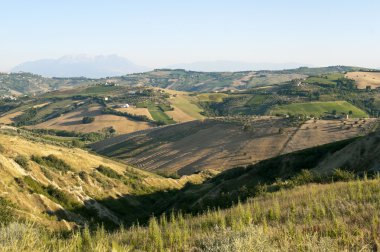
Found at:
<point>319,109</point>
<point>185,107</point>
<point>9,118</point>
<point>72,121</point>
<point>364,79</point>
<point>136,111</point>
<point>224,143</point>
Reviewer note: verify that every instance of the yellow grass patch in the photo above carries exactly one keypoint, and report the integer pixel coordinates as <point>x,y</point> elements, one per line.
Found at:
<point>136,111</point>
<point>364,79</point>
<point>8,119</point>
<point>41,105</point>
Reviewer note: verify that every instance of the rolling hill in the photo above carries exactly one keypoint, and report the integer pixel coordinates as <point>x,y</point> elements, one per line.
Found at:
<point>62,187</point>
<point>364,79</point>
<point>276,200</point>
<point>223,143</point>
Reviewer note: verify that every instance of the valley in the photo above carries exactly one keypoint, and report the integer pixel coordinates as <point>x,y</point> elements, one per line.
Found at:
<point>172,154</point>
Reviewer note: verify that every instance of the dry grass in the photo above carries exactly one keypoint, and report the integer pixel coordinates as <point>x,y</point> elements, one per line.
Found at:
<point>364,79</point>
<point>82,182</point>
<point>8,118</point>
<point>342,216</point>
<point>136,111</point>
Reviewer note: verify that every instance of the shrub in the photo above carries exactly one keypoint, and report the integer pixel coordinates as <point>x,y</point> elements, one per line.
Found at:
<point>22,161</point>
<point>53,162</point>
<point>304,177</point>
<point>49,191</point>
<point>87,119</point>
<point>108,172</point>
<point>342,175</point>
<point>6,215</point>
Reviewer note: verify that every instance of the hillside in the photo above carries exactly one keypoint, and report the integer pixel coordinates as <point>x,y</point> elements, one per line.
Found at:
<point>125,109</point>
<point>364,79</point>
<point>336,217</point>
<point>224,143</point>
<point>26,83</point>
<point>62,187</point>
<point>175,79</point>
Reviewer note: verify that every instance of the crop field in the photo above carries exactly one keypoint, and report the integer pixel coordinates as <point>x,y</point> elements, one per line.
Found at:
<point>185,108</point>
<point>159,115</point>
<point>218,145</point>
<point>136,111</point>
<point>72,121</point>
<point>319,109</point>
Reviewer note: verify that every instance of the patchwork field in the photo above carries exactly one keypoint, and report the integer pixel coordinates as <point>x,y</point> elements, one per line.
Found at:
<point>319,109</point>
<point>185,108</point>
<point>364,79</point>
<point>220,145</point>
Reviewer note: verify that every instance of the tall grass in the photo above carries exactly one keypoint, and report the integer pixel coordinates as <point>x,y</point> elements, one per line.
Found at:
<point>314,217</point>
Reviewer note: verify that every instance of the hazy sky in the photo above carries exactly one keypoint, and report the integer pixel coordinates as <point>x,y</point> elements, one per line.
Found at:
<point>157,33</point>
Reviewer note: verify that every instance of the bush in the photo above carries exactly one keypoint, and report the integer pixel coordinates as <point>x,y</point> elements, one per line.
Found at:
<point>108,172</point>
<point>53,162</point>
<point>6,215</point>
<point>87,119</point>
<point>53,193</point>
<point>22,161</point>
<point>342,175</point>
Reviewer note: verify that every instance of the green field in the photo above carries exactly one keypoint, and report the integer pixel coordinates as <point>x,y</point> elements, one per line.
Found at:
<point>319,109</point>
<point>188,105</point>
<point>327,79</point>
<point>159,115</point>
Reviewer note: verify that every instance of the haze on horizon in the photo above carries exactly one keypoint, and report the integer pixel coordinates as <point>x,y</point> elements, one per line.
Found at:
<point>166,32</point>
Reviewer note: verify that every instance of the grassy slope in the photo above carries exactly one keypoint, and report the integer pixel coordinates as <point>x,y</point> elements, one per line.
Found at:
<point>82,184</point>
<point>334,217</point>
<point>319,109</point>
<point>364,79</point>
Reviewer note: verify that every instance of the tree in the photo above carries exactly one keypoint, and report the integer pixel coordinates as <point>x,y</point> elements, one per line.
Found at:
<point>87,119</point>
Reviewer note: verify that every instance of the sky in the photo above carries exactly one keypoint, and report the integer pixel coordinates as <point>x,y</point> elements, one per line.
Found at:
<point>157,33</point>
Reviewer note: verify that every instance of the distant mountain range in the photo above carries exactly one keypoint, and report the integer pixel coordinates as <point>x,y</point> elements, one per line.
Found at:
<point>81,65</point>
<point>113,65</point>
<point>234,66</point>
